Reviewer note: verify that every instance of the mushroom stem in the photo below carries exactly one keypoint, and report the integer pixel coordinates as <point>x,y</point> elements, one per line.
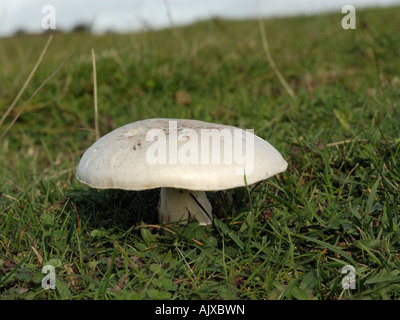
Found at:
<point>178,205</point>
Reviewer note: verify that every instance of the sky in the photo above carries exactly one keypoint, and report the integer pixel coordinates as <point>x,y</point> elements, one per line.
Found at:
<point>133,15</point>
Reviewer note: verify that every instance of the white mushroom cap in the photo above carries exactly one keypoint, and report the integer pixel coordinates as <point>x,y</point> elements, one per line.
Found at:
<point>124,158</point>
<point>184,158</point>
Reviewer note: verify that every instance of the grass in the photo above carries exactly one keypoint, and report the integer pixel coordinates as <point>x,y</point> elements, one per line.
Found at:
<point>285,238</point>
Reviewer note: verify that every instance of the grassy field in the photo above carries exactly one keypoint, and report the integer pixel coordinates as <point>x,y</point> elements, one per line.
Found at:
<point>289,237</point>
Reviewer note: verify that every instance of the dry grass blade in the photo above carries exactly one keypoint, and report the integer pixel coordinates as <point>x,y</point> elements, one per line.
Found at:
<point>96,110</point>
<point>156,227</point>
<point>33,95</point>
<point>26,82</point>
<point>333,144</point>
<point>269,57</point>
<point>186,263</point>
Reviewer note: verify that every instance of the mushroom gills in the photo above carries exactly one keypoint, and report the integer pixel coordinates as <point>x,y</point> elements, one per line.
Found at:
<point>179,205</point>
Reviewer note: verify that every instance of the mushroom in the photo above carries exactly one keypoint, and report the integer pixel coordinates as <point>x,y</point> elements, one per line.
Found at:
<point>184,158</point>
